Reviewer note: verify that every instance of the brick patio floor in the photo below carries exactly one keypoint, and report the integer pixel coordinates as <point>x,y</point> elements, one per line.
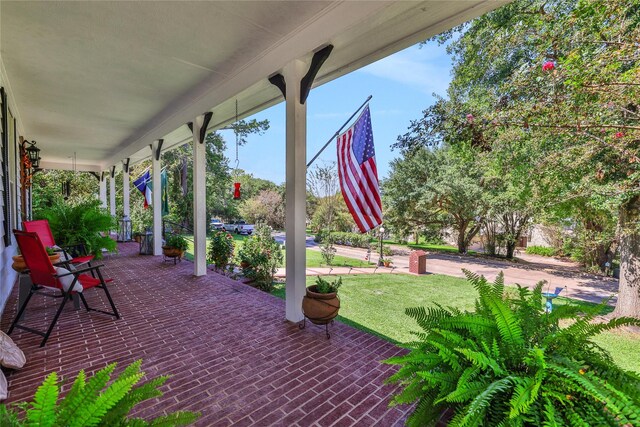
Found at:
<point>229,351</point>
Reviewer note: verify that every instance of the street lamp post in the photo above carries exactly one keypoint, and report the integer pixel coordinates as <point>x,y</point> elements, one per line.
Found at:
<point>381,231</point>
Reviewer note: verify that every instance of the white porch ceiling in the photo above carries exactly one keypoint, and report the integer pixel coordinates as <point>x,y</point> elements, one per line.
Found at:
<point>105,79</point>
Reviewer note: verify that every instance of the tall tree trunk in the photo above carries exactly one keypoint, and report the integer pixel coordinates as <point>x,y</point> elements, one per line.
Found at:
<point>629,291</point>
<point>596,251</point>
<point>462,237</point>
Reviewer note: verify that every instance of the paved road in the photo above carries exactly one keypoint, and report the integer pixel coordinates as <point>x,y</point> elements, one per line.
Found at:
<point>528,272</point>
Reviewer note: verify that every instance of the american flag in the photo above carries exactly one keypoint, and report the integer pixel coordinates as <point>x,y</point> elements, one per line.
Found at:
<point>358,173</point>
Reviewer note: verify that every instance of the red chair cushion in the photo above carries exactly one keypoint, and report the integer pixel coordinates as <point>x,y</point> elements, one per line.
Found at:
<point>88,282</point>
<point>82,259</point>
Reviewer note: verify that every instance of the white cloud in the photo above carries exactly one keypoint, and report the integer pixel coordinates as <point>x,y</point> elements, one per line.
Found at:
<point>426,68</point>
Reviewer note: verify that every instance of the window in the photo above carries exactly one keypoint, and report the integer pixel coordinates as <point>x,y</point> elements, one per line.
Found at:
<point>5,216</point>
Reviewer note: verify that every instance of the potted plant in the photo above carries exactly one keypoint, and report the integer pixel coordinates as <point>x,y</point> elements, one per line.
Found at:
<point>509,362</point>
<point>19,265</point>
<point>321,303</point>
<point>220,249</point>
<point>137,236</point>
<point>84,224</point>
<point>174,246</point>
<point>387,262</point>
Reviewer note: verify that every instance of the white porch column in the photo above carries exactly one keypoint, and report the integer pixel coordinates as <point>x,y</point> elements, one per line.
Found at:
<point>199,128</point>
<point>112,192</point>
<point>156,203</point>
<point>296,190</point>
<point>103,190</point>
<point>125,188</point>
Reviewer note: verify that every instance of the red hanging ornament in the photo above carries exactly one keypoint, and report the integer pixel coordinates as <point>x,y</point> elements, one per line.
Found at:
<point>236,190</point>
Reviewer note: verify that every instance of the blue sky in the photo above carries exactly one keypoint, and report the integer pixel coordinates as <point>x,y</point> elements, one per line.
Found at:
<point>401,85</point>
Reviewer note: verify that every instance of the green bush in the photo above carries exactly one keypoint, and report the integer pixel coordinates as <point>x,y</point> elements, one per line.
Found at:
<point>351,239</point>
<point>541,250</point>
<point>328,250</point>
<point>510,363</point>
<point>85,224</point>
<point>220,249</point>
<point>263,255</point>
<point>93,402</point>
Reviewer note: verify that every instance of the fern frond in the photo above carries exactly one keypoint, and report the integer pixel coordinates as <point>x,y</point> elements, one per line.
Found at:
<point>465,392</point>
<point>481,360</point>
<point>427,317</point>
<point>498,286</point>
<point>89,394</point>
<point>524,394</point>
<point>508,325</point>
<point>42,411</point>
<point>146,391</point>
<point>175,419</point>
<point>9,418</point>
<point>91,414</point>
<point>476,408</point>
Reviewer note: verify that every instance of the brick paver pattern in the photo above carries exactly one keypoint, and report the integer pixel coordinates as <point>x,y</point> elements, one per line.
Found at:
<point>229,351</point>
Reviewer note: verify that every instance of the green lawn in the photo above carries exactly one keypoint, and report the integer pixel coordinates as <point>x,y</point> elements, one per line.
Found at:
<point>426,246</point>
<point>376,303</point>
<point>314,258</point>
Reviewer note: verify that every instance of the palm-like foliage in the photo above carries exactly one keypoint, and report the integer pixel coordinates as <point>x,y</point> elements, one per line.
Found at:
<point>85,223</point>
<point>509,363</point>
<point>95,402</point>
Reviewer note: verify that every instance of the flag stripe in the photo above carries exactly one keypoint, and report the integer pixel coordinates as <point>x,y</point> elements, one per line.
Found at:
<point>344,184</point>
<point>355,174</point>
<point>373,203</point>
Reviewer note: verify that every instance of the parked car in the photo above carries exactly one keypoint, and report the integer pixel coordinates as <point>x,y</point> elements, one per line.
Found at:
<point>216,224</point>
<point>239,227</point>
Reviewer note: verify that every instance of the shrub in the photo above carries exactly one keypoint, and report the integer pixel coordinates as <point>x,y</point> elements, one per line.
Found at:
<point>220,249</point>
<point>84,224</point>
<point>351,239</point>
<point>93,402</point>
<point>176,241</point>
<point>541,250</point>
<point>328,250</point>
<point>263,255</point>
<point>320,236</point>
<point>511,364</point>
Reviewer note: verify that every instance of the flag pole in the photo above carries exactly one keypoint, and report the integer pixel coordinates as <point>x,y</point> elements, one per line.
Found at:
<point>335,135</point>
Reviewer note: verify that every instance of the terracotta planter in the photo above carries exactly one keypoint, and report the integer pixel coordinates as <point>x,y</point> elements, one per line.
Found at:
<point>244,264</point>
<point>387,263</point>
<point>172,252</point>
<point>19,265</point>
<point>137,238</point>
<point>320,308</point>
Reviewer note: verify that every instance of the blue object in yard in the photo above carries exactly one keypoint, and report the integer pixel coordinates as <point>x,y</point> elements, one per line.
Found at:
<point>548,307</point>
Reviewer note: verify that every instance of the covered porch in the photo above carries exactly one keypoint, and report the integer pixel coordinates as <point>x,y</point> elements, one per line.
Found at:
<point>226,346</point>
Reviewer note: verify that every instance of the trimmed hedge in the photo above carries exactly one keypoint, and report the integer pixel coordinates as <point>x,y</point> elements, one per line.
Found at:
<point>355,240</point>
<point>541,250</point>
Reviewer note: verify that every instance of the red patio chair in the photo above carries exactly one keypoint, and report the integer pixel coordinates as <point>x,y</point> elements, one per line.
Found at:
<point>45,277</point>
<point>41,227</point>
